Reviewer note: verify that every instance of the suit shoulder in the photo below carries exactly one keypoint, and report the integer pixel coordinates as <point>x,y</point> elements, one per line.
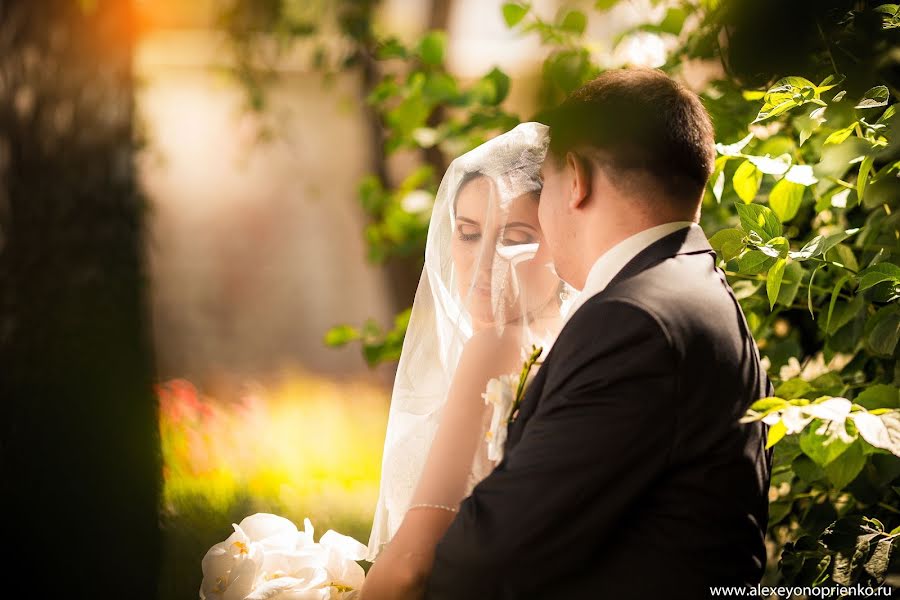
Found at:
<point>679,284</point>
<point>628,313</point>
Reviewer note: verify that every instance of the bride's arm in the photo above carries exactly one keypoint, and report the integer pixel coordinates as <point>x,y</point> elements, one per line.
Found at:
<point>401,569</point>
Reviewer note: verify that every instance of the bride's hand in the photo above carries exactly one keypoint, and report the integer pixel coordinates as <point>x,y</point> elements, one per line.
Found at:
<point>396,575</point>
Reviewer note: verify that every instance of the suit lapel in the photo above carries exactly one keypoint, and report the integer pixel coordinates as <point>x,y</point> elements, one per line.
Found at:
<point>690,240</point>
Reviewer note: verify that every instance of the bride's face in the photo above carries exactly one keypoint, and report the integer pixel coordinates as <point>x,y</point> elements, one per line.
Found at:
<point>502,265</point>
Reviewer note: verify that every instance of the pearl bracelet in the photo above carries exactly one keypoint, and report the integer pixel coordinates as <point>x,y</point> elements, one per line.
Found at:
<point>425,505</point>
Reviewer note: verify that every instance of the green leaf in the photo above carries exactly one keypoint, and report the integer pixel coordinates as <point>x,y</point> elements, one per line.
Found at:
<point>785,199</point>
<point>605,4</point>
<point>574,21</point>
<point>834,298</point>
<point>341,335</point>
<point>776,432</point>
<point>883,330</point>
<point>773,281</point>
<point>673,22</point>
<point>829,384</point>
<point>822,448</point>
<point>431,48</point>
<point>879,396</point>
<point>778,510</point>
<point>790,285</point>
<point>891,15</point>
<point>862,177</point>
<point>754,262</point>
<point>728,243</point>
<point>391,48</point>
<point>766,405</point>
<point>844,469</point>
<point>876,274</point>
<point>759,219</point>
<point>568,69</point>
<point>844,313</point>
<point>746,181</point>
<point>787,93</point>
<point>440,87</point>
<point>830,82</point>
<point>875,97</point>
<point>837,137</point>
<point>492,89</point>
<point>843,255</point>
<point>879,560</point>
<point>809,300</point>
<point>887,114</point>
<point>513,13</point>
<point>717,178</point>
<point>882,191</point>
<point>821,244</point>
<point>794,388</point>
<point>806,469</point>
<point>777,247</point>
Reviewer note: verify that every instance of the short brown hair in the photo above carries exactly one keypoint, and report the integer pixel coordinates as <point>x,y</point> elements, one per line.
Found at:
<point>642,122</point>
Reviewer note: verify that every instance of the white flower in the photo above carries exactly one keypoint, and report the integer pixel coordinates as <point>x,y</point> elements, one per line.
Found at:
<point>500,394</point>
<point>881,431</point>
<point>342,553</point>
<point>267,558</point>
<point>270,531</point>
<point>230,568</point>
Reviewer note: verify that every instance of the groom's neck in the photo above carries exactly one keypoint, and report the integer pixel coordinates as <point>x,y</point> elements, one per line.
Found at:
<point>605,231</point>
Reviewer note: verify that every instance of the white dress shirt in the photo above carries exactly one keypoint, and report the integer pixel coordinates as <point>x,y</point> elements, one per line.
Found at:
<point>613,260</point>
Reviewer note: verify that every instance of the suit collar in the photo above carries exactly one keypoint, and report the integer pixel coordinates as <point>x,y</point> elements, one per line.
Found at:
<point>620,257</point>
<point>690,240</point>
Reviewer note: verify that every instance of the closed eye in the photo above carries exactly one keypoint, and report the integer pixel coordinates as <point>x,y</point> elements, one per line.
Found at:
<point>468,232</point>
<point>512,237</point>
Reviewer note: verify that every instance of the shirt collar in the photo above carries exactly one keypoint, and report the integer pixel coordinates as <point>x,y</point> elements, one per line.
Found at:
<point>613,260</point>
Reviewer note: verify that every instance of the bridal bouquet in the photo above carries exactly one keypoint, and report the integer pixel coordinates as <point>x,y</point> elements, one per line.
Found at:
<point>268,558</point>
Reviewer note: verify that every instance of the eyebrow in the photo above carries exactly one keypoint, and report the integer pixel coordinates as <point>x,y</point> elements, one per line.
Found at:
<point>520,224</point>
<point>508,225</point>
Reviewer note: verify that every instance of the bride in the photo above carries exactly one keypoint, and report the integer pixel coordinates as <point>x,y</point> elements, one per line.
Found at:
<point>488,291</point>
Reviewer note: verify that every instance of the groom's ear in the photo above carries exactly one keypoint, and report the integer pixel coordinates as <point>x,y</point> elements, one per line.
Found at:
<point>580,170</point>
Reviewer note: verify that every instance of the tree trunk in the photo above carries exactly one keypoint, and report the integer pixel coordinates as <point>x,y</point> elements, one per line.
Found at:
<point>80,443</point>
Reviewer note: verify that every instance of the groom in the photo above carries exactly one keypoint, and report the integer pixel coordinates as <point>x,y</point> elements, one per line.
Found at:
<point>627,474</point>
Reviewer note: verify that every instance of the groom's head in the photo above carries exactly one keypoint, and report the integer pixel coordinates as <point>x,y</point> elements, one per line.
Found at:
<point>629,150</point>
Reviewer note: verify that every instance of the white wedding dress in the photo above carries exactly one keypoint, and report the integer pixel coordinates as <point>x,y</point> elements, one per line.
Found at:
<point>486,277</point>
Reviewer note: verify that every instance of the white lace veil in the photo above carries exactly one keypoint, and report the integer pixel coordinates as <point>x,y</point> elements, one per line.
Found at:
<point>483,269</point>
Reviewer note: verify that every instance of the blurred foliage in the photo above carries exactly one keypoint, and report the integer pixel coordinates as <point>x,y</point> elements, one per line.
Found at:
<point>303,447</point>
<point>803,205</point>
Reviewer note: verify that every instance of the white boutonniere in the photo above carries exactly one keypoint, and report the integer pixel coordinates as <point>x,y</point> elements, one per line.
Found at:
<point>505,394</point>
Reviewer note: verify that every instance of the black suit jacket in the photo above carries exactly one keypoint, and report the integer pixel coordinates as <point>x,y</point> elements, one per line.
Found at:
<point>627,473</point>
